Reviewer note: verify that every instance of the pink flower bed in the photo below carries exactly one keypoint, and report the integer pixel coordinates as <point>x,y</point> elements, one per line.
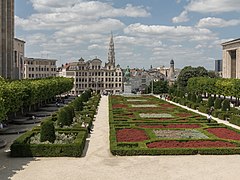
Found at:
<point>224,133</point>
<point>189,144</point>
<point>131,135</point>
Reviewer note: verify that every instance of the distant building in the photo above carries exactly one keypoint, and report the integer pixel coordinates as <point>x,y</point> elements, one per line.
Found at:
<point>19,53</point>
<point>231,59</point>
<point>35,68</point>
<point>7,69</point>
<point>91,74</point>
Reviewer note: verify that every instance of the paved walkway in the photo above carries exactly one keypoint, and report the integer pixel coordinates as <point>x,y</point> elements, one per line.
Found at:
<point>99,164</point>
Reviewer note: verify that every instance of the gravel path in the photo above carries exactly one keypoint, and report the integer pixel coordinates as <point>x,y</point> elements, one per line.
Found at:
<point>99,164</point>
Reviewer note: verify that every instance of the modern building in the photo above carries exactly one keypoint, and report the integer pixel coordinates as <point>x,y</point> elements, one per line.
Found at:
<point>35,68</point>
<point>231,59</point>
<point>19,54</point>
<point>91,74</point>
<point>7,39</point>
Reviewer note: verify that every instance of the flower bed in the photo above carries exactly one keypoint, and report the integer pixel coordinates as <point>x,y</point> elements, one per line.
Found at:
<point>190,144</point>
<point>191,126</point>
<point>224,133</point>
<point>180,134</point>
<point>144,105</point>
<point>161,115</point>
<point>136,100</point>
<point>131,135</point>
<point>115,106</point>
<point>184,114</point>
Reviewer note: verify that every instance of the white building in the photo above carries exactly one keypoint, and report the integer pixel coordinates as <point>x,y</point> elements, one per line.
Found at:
<point>35,68</point>
<point>19,53</point>
<point>91,74</point>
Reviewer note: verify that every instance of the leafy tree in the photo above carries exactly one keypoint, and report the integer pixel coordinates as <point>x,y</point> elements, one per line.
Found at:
<point>225,105</point>
<point>159,87</point>
<point>210,101</point>
<point>189,72</point>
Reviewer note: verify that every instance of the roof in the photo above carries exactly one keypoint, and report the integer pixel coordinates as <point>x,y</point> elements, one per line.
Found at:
<point>230,42</point>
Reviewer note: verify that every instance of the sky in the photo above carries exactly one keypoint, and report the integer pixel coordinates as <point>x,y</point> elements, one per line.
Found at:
<point>146,32</point>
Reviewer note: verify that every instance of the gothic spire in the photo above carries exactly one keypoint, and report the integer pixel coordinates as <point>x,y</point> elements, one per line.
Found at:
<point>111,53</point>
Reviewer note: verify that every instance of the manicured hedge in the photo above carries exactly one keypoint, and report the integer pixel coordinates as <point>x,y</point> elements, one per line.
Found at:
<point>22,148</point>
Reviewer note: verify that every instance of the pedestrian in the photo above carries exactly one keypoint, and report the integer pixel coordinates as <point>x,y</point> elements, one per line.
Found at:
<point>209,116</point>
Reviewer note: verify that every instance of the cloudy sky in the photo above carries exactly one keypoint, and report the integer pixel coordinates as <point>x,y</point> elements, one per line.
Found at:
<point>146,32</point>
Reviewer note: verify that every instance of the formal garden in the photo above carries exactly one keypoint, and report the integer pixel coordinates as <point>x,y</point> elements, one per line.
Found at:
<point>62,134</point>
<point>146,125</point>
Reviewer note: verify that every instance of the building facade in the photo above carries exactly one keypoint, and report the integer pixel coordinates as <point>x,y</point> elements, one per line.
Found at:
<point>35,68</point>
<point>7,39</point>
<point>19,54</point>
<point>92,74</point>
<point>231,59</point>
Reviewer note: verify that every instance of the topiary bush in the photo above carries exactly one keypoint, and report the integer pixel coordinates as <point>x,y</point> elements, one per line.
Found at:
<point>217,103</point>
<point>210,101</point>
<point>225,105</point>
<point>63,119</point>
<point>194,98</point>
<point>199,99</point>
<point>47,132</point>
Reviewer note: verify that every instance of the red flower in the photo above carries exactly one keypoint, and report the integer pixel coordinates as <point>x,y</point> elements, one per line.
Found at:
<point>131,135</point>
<point>224,133</point>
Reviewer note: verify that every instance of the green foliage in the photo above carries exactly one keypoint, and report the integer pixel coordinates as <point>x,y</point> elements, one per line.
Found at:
<point>78,104</point>
<point>210,101</point>
<point>194,98</point>
<point>225,105</point>
<point>189,72</point>
<point>20,147</point>
<point>217,103</point>
<point>63,118</point>
<point>235,119</point>
<point>159,87</point>
<point>47,131</point>
<point>199,99</point>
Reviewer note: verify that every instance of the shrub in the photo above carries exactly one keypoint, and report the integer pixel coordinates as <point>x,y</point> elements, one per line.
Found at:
<point>217,103</point>
<point>210,101</point>
<point>194,98</point>
<point>225,105</point>
<point>235,119</point>
<point>78,104</point>
<point>194,105</point>
<point>223,115</point>
<point>189,97</point>
<point>63,119</point>
<point>199,99</point>
<point>47,132</point>
<point>203,109</point>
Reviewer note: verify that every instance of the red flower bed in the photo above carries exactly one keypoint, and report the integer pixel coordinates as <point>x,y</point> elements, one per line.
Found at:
<point>191,126</point>
<point>184,114</point>
<point>131,135</point>
<point>224,133</point>
<point>167,106</point>
<point>119,106</point>
<point>189,144</point>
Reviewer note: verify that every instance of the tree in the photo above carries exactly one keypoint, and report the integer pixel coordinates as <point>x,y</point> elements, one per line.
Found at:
<point>189,72</point>
<point>159,87</point>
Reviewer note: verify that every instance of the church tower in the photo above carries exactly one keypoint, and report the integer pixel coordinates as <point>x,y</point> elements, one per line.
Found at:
<point>111,53</point>
<point>171,73</point>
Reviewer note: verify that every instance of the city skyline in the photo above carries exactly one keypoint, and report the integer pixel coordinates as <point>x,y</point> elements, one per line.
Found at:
<point>145,32</point>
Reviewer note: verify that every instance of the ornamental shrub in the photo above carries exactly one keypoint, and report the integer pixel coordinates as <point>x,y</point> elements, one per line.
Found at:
<point>210,101</point>
<point>63,119</point>
<point>194,98</point>
<point>47,132</point>
<point>78,104</point>
<point>218,103</point>
<point>199,99</point>
<point>225,105</point>
<point>189,97</point>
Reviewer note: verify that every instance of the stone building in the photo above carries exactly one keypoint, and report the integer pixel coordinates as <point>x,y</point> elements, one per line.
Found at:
<point>19,54</point>
<point>91,74</point>
<point>231,59</point>
<point>6,39</point>
<point>35,68</point>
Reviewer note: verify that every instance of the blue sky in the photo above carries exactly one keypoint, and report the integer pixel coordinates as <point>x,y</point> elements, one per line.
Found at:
<point>146,32</point>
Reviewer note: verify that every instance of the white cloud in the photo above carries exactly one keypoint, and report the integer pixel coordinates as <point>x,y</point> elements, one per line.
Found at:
<point>183,17</point>
<point>178,33</point>
<point>213,6</point>
<point>217,22</point>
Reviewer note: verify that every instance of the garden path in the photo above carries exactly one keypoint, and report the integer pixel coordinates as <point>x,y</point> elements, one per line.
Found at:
<point>99,164</point>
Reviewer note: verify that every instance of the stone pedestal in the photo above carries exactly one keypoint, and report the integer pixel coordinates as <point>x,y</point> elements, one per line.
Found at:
<point>127,88</point>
